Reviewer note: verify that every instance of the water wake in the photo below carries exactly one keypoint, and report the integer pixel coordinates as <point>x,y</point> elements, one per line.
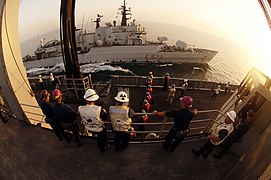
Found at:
<point>86,68</point>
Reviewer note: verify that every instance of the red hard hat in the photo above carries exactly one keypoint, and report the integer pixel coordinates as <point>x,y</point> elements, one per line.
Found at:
<point>187,101</point>
<point>56,93</point>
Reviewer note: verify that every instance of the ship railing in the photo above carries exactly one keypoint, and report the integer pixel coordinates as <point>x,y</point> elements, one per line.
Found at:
<point>140,81</point>
<point>157,127</point>
<point>132,81</point>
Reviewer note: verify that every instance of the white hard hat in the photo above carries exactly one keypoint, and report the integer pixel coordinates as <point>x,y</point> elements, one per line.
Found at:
<point>122,97</point>
<point>185,80</point>
<point>232,115</point>
<point>39,75</point>
<point>91,95</point>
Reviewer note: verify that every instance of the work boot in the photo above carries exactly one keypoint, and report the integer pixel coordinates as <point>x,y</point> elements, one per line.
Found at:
<point>195,152</point>
<point>105,149</point>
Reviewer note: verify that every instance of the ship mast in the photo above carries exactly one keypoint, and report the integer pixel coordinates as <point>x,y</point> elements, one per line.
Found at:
<point>98,20</point>
<point>124,14</point>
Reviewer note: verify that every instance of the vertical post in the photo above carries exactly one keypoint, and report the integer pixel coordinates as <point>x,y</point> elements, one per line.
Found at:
<point>163,126</point>
<point>212,119</point>
<point>90,81</point>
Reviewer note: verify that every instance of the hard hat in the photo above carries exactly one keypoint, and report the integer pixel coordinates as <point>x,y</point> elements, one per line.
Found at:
<point>51,74</point>
<point>147,93</point>
<point>232,115</point>
<point>167,74</point>
<point>173,85</point>
<point>151,136</point>
<point>91,95</point>
<point>43,95</point>
<point>40,76</point>
<point>187,101</point>
<point>218,86</point>
<point>185,80</point>
<point>56,93</point>
<point>122,97</point>
<point>150,72</point>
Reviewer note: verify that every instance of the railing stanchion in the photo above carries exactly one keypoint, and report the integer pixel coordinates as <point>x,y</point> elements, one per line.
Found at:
<point>163,127</point>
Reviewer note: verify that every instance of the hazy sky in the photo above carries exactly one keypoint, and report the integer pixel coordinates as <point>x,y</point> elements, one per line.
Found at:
<point>241,21</point>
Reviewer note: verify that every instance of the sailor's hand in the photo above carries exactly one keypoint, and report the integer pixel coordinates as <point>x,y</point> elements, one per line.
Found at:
<point>195,111</point>
<point>154,112</point>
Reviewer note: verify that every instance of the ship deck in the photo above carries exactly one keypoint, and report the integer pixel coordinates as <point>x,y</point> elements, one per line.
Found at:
<point>31,152</point>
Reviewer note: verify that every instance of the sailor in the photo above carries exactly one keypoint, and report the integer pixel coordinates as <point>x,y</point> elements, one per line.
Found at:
<point>52,80</point>
<point>40,81</point>
<point>66,115</point>
<point>120,116</point>
<point>182,118</point>
<point>143,119</point>
<point>92,117</point>
<point>217,136</point>
<point>166,80</point>
<point>149,98</point>
<point>171,94</point>
<point>216,91</point>
<point>236,136</point>
<point>146,105</point>
<point>149,81</point>
<point>151,75</point>
<point>149,89</point>
<point>184,87</point>
<point>227,87</point>
<point>48,111</point>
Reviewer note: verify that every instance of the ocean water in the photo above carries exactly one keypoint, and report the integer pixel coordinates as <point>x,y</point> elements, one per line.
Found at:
<point>230,64</point>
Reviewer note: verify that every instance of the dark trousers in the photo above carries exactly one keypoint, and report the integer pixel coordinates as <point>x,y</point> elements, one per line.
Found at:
<point>121,140</point>
<point>165,86</point>
<point>74,128</point>
<point>207,148</point>
<point>214,95</point>
<point>75,131</point>
<point>169,143</point>
<point>57,128</point>
<point>102,139</point>
<point>42,85</point>
<point>182,93</point>
<point>226,145</point>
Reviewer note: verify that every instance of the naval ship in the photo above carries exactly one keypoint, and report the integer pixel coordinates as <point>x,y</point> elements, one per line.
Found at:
<point>29,151</point>
<point>114,43</point>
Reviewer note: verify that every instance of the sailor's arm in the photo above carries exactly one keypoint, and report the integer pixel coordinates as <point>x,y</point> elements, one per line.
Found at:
<point>163,113</point>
